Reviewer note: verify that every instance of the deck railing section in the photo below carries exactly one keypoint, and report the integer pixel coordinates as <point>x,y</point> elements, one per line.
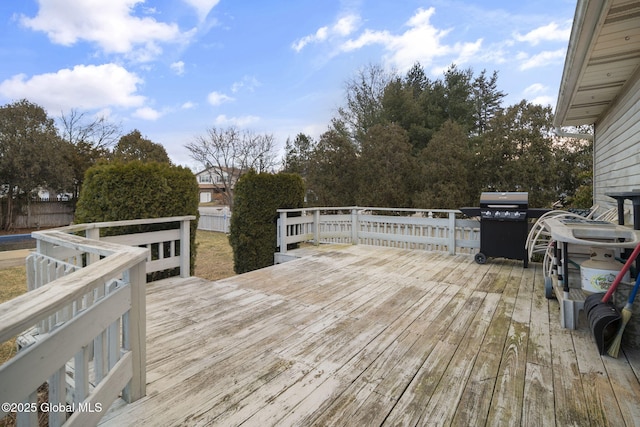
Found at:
<point>426,229</point>
<point>82,325</point>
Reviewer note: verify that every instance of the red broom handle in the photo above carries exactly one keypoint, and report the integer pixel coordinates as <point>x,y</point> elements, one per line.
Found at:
<point>620,275</point>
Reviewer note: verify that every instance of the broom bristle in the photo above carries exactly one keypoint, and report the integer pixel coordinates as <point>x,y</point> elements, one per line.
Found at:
<point>614,348</point>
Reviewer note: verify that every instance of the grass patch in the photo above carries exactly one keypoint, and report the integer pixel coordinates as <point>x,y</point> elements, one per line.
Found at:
<point>214,260</point>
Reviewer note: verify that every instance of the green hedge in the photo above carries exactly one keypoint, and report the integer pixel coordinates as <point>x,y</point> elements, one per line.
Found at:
<point>135,190</point>
<point>253,223</point>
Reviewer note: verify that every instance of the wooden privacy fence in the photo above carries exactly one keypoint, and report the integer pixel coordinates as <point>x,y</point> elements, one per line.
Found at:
<point>82,325</point>
<point>426,229</point>
<point>41,213</point>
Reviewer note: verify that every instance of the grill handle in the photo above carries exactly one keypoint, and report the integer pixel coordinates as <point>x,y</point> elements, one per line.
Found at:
<point>503,206</point>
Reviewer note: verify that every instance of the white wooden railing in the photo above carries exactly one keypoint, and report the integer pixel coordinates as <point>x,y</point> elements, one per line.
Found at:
<point>82,325</point>
<point>426,229</point>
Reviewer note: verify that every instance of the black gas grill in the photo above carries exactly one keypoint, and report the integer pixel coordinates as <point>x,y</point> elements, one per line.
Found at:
<point>504,225</point>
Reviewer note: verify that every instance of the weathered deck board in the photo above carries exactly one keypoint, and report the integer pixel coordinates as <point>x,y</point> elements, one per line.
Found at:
<point>360,335</point>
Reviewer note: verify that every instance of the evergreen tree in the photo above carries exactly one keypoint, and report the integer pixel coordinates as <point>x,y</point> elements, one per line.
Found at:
<point>516,153</point>
<point>332,173</point>
<point>298,155</point>
<point>133,146</point>
<point>456,96</point>
<point>445,170</point>
<point>385,167</point>
<point>487,100</point>
<point>30,154</point>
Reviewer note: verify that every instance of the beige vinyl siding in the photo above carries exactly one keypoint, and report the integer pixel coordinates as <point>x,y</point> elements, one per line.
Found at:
<point>617,148</point>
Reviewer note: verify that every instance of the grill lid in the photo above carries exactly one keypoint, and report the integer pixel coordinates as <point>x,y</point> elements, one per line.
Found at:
<point>509,200</point>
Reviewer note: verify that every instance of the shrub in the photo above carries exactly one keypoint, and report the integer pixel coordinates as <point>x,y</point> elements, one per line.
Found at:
<point>134,190</point>
<point>253,223</point>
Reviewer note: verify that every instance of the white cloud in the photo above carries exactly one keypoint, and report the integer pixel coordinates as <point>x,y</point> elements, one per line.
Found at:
<point>217,98</point>
<point>177,67</point>
<point>538,94</point>
<point>420,42</point>
<point>147,113</point>
<point>223,120</point>
<point>343,27</point>
<point>188,105</point>
<point>549,32</point>
<point>346,25</point>
<point>367,38</point>
<point>103,113</point>
<point>109,24</point>
<point>544,100</point>
<point>541,59</point>
<point>320,35</point>
<point>467,52</point>
<point>248,83</point>
<point>535,89</point>
<point>202,7</point>
<point>84,87</point>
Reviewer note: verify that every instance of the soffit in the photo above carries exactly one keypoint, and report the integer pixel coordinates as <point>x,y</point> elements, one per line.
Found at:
<point>603,56</point>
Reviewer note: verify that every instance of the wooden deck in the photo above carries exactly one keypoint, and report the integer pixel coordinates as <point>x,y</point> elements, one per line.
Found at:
<point>364,336</point>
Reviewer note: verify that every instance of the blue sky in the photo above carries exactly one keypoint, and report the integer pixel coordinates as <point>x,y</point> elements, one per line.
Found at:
<point>174,68</point>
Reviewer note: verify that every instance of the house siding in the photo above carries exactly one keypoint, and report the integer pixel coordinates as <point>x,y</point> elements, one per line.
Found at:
<point>617,148</point>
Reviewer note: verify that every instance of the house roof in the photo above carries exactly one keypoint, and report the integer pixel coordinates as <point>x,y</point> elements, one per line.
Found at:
<point>216,170</point>
<point>602,57</point>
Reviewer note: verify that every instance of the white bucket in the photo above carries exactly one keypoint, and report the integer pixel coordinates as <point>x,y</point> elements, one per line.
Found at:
<point>598,273</point>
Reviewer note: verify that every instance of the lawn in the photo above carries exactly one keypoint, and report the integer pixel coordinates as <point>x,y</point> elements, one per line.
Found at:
<point>214,261</point>
<point>214,258</point>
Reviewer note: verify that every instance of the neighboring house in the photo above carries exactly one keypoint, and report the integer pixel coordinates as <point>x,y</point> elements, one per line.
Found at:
<point>46,194</point>
<point>213,183</point>
<point>601,86</point>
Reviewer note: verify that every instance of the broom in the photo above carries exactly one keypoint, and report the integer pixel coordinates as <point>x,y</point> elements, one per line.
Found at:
<point>626,316</point>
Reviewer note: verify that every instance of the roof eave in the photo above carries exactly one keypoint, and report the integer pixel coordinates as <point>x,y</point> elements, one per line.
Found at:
<point>588,19</point>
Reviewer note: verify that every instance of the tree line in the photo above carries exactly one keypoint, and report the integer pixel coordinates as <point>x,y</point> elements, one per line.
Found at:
<point>411,141</point>
<point>36,153</point>
<point>397,141</point>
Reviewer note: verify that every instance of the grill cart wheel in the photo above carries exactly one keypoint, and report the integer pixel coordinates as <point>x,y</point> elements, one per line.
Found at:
<point>481,258</point>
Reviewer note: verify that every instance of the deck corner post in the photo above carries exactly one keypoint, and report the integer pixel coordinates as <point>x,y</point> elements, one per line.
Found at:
<point>185,248</point>
<point>452,233</point>
<point>316,227</point>
<point>282,232</point>
<point>137,330</point>
<point>93,234</point>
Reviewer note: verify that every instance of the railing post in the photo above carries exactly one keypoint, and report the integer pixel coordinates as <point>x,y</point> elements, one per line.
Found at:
<point>316,227</point>
<point>185,249</point>
<point>282,232</point>
<point>137,334</point>
<point>93,234</point>
<point>452,233</point>
<point>354,226</point>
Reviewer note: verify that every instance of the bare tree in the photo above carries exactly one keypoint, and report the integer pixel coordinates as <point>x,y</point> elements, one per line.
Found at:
<point>89,140</point>
<point>99,133</point>
<point>364,93</point>
<point>230,152</point>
